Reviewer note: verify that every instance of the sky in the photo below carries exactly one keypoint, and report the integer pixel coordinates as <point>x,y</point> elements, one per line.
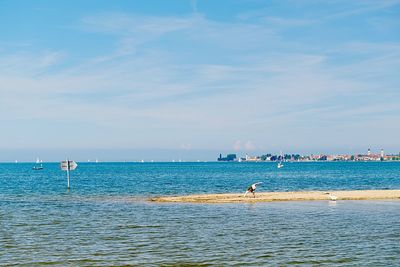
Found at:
<point>164,80</point>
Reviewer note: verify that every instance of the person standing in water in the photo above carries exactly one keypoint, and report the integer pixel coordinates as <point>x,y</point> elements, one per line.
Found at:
<point>251,189</point>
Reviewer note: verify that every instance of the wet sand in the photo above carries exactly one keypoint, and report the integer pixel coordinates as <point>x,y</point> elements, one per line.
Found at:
<point>283,196</point>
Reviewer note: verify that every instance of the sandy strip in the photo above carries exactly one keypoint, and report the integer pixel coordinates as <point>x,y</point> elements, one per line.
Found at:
<point>283,196</point>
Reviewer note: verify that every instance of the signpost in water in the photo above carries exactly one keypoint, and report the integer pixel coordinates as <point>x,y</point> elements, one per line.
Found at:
<point>68,165</point>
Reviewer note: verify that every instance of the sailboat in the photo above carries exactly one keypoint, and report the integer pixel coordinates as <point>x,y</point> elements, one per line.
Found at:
<point>38,166</point>
<point>280,165</point>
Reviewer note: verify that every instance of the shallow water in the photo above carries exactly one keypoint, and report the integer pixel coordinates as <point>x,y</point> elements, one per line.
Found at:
<point>104,220</point>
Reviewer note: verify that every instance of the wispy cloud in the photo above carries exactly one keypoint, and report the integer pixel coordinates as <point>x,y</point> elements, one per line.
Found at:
<point>194,6</point>
<point>244,146</point>
<point>286,22</point>
<point>179,82</point>
<point>314,12</point>
<point>143,26</point>
<point>361,7</point>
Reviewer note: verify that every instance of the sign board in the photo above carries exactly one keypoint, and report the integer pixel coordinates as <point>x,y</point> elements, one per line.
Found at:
<point>69,165</point>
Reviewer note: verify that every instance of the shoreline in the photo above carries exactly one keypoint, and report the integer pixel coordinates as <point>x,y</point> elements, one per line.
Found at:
<point>281,196</point>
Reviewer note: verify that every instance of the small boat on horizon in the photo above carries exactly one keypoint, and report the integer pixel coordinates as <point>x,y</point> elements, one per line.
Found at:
<point>38,166</point>
<point>280,165</point>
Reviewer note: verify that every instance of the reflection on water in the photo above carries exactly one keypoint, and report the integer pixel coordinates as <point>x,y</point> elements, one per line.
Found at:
<point>332,203</point>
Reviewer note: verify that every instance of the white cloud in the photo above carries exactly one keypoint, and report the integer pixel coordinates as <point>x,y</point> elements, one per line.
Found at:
<point>249,146</point>
<point>237,146</point>
<point>28,64</point>
<point>241,87</point>
<point>243,146</point>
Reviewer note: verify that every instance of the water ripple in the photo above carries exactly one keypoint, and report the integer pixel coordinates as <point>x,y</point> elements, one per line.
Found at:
<point>105,222</point>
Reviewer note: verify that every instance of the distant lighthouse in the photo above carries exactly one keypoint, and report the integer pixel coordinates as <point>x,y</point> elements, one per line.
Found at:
<point>382,153</point>
<point>369,152</point>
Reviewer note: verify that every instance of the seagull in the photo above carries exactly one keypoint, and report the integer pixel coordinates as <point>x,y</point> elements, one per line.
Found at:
<point>332,197</point>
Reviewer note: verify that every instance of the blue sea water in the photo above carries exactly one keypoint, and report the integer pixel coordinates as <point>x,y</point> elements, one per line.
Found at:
<point>105,220</point>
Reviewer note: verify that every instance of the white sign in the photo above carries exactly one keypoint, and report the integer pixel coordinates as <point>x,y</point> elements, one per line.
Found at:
<point>70,163</point>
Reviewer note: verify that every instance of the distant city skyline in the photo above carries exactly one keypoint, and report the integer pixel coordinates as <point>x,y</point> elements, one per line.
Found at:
<point>148,155</point>
<point>126,80</point>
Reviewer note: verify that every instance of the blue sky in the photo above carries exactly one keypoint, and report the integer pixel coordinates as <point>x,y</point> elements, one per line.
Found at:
<point>192,78</point>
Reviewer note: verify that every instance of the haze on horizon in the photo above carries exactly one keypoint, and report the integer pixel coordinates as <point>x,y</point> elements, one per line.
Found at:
<point>197,78</point>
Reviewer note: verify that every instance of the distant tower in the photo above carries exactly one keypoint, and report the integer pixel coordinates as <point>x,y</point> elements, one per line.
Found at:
<point>382,153</point>
<point>369,152</point>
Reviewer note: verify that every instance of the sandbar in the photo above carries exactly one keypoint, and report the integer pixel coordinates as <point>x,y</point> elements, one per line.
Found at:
<point>283,196</point>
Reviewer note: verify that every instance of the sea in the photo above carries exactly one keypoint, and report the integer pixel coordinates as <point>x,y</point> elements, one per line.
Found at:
<point>105,218</point>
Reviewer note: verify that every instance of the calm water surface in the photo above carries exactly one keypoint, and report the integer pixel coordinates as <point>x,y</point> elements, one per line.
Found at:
<point>104,219</point>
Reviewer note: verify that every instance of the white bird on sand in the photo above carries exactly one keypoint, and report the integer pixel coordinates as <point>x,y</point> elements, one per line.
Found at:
<point>252,188</point>
<point>332,197</point>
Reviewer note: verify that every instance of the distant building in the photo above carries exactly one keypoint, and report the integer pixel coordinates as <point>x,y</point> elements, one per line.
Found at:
<point>331,157</point>
<point>371,156</point>
<point>323,157</point>
<point>252,158</point>
<point>229,157</point>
